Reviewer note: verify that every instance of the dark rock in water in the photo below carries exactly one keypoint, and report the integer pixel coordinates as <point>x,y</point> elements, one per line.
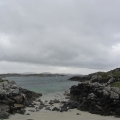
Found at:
<point>80,78</point>
<point>55,109</point>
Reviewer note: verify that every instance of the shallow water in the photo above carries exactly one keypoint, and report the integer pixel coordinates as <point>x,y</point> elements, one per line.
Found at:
<point>44,85</point>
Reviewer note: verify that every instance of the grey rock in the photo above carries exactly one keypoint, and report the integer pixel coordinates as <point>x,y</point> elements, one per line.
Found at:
<point>105,93</point>
<point>55,109</point>
<point>22,111</point>
<point>47,108</point>
<point>14,91</point>
<point>27,113</point>
<point>78,114</point>
<point>31,110</point>
<point>4,115</point>
<point>4,107</point>
<point>116,90</point>
<point>5,83</point>
<point>41,107</point>
<point>91,96</point>
<point>111,80</point>
<point>63,109</point>
<point>14,86</point>
<point>18,99</point>
<point>56,101</point>
<point>108,89</point>
<point>51,102</point>
<point>12,82</point>
<point>114,95</point>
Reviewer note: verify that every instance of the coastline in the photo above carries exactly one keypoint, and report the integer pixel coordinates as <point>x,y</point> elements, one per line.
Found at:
<point>85,96</point>
<point>53,115</point>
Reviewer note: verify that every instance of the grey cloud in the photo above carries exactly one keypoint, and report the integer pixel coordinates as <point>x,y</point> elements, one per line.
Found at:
<point>70,33</point>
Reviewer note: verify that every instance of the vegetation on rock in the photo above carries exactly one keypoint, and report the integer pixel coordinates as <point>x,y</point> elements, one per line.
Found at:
<point>1,80</point>
<point>101,77</point>
<point>116,84</point>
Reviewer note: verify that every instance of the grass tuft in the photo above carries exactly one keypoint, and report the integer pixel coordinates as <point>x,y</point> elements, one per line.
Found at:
<point>116,84</point>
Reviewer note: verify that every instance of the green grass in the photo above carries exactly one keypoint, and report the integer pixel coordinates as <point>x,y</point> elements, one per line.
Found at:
<point>106,75</point>
<point>1,80</point>
<point>116,74</point>
<point>117,84</point>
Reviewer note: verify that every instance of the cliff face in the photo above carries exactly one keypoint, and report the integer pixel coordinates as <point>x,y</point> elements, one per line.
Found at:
<point>97,98</point>
<point>14,99</point>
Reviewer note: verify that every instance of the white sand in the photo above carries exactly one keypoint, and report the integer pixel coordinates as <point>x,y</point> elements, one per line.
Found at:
<point>54,115</point>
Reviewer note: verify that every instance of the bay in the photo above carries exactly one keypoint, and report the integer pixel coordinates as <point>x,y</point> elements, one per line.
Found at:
<point>44,84</point>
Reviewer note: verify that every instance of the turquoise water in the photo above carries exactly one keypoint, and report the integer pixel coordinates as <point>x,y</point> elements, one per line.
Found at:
<point>44,85</point>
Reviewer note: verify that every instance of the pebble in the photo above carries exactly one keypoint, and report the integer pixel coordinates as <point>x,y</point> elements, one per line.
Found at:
<point>78,114</point>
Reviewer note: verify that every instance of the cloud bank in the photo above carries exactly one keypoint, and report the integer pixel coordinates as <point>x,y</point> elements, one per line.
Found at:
<point>59,36</point>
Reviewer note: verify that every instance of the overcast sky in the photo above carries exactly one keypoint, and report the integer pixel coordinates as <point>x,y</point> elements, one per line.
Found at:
<point>59,36</point>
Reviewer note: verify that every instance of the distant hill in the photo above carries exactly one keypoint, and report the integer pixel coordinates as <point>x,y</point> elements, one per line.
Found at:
<point>29,74</point>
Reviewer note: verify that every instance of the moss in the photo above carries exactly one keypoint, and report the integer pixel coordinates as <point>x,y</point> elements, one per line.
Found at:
<point>116,84</point>
<point>106,75</point>
<point>1,80</point>
<point>116,74</point>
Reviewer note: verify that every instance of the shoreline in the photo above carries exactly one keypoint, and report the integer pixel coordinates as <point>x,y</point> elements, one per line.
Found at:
<point>53,115</point>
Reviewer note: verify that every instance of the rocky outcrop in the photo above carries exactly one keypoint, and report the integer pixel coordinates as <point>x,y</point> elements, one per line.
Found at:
<point>14,99</point>
<point>97,98</point>
<point>80,78</point>
<point>100,77</point>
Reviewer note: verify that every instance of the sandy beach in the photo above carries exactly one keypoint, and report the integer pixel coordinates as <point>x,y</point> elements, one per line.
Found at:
<point>54,115</point>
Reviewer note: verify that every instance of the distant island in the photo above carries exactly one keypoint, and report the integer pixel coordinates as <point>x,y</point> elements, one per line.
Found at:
<point>35,74</point>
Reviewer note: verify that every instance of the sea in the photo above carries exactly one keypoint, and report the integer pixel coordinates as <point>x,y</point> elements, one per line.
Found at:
<point>44,84</point>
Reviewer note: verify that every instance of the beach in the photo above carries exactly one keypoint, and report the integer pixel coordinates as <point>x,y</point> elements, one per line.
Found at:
<point>72,114</point>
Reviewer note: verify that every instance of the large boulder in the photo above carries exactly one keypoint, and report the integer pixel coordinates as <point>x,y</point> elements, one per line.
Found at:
<point>13,99</point>
<point>4,115</point>
<point>96,98</point>
<point>114,95</point>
